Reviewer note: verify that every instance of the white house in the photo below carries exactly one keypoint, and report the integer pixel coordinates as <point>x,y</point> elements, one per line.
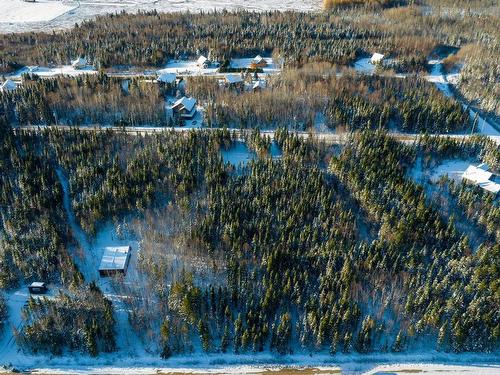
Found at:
<point>168,78</point>
<point>8,85</point>
<point>482,177</point>
<point>114,260</point>
<point>203,62</point>
<point>79,63</point>
<point>185,107</point>
<point>376,58</point>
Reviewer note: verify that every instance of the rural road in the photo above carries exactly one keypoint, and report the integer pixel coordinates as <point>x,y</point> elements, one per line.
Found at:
<point>328,138</point>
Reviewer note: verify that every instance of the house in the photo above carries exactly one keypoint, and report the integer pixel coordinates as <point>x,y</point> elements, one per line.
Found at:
<point>8,85</point>
<point>377,58</point>
<point>79,63</point>
<point>233,80</point>
<point>203,62</point>
<point>37,287</point>
<point>185,107</point>
<point>114,260</point>
<point>259,85</point>
<point>258,62</point>
<point>482,177</point>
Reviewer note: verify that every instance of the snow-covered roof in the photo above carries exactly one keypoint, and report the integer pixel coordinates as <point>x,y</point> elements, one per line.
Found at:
<point>186,103</point>
<point>167,78</point>
<point>8,85</point>
<point>482,177</point>
<point>201,60</point>
<point>257,59</point>
<point>490,186</point>
<point>233,78</point>
<point>377,57</point>
<point>81,61</point>
<point>259,84</point>
<point>477,174</point>
<point>114,258</point>
<point>37,284</point>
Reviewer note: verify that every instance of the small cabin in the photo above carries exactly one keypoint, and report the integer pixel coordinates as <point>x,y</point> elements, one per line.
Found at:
<point>114,261</point>
<point>37,287</point>
<point>79,63</point>
<point>185,108</point>
<point>258,62</point>
<point>377,58</point>
<point>203,62</point>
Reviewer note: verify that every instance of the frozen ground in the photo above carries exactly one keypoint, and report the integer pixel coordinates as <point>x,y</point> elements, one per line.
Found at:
<point>22,12</point>
<point>265,363</point>
<point>453,168</point>
<point>46,72</point>
<point>63,14</point>
<point>238,154</point>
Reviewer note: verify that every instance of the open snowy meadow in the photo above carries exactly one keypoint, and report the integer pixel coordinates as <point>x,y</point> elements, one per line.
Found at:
<point>19,15</point>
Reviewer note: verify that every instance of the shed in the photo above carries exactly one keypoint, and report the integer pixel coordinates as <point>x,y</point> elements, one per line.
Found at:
<point>202,62</point>
<point>185,107</point>
<point>37,287</point>
<point>376,58</point>
<point>114,260</point>
<point>79,63</point>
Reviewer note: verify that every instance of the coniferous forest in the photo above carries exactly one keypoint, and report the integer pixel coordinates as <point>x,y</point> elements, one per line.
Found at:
<point>322,249</point>
<point>319,213</point>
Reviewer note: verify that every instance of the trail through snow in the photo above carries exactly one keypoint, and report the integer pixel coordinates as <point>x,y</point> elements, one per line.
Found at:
<point>88,264</point>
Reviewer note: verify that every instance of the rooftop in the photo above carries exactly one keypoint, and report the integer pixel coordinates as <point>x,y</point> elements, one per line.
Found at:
<point>114,258</point>
<point>184,102</point>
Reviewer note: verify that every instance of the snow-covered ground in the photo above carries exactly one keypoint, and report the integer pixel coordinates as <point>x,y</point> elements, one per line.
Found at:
<point>239,153</point>
<point>20,12</point>
<point>64,14</point>
<point>265,363</point>
<point>363,65</point>
<point>186,67</point>
<point>46,72</point>
<point>453,168</point>
<point>242,63</point>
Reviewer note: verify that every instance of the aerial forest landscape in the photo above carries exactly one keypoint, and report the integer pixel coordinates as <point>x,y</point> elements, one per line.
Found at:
<point>301,187</point>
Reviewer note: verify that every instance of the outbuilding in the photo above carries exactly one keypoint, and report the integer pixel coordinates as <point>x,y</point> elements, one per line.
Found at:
<point>203,62</point>
<point>37,287</point>
<point>114,260</point>
<point>79,63</point>
<point>377,58</point>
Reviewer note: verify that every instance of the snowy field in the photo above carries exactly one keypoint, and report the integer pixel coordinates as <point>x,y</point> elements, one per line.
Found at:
<point>18,11</point>
<point>46,72</point>
<point>54,14</point>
